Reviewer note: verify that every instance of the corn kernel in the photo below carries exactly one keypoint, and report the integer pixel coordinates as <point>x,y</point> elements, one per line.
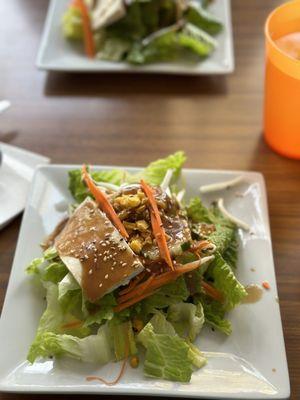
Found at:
<point>136,246</point>
<point>142,225</point>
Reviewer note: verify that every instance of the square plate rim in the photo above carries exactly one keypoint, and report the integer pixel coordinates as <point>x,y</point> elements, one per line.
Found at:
<point>127,68</point>
<point>284,394</point>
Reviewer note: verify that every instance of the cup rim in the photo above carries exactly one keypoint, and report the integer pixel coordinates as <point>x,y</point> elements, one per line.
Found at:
<point>270,40</point>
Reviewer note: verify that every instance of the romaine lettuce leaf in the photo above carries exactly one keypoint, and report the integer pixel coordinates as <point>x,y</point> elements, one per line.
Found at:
<point>214,315</point>
<point>187,319</point>
<point>72,24</point>
<point>165,349</point>
<point>201,18</point>
<point>196,357</point>
<point>79,190</point>
<point>169,294</point>
<point>114,49</point>
<point>93,348</point>
<point>166,356</point>
<point>231,253</point>
<point>153,174</point>
<point>156,170</point>
<point>196,40</point>
<point>224,280</point>
<point>123,338</point>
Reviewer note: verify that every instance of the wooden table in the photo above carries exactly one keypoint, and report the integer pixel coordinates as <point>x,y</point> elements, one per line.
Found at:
<point>130,120</point>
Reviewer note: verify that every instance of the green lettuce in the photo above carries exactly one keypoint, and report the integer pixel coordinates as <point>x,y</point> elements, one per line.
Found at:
<point>123,338</point>
<point>214,315</point>
<point>153,174</point>
<point>169,294</point>
<point>48,268</point>
<point>72,24</point>
<point>113,49</point>
<point>167,355</point>
<point>187,318</point>
<point>79,190</point>
<point>196,40</point>
<point>203,19</point>
<point>156,170</point>
<point>93,348</point>
<point>224,280</point>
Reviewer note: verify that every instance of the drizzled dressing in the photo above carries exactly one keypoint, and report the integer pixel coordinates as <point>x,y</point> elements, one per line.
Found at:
<point>91,244</point>
<point>254,294</point>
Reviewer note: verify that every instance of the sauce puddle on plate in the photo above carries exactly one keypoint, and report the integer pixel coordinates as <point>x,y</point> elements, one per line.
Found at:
<point>254,294</point>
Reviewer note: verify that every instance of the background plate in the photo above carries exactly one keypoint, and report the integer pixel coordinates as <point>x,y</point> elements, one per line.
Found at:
<point>249,364</point>
<point>58,54</point>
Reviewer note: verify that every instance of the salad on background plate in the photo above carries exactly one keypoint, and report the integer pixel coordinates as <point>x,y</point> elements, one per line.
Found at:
<point>135,271</point>
<point>142,31</point>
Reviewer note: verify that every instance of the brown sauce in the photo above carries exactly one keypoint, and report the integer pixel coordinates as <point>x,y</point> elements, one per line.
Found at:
<point>105,257</point>
<point>254,294</point>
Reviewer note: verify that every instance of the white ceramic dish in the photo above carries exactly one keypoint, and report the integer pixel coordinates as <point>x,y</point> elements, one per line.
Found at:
<point>16,173</point>
<point>249,364</point>
<point>57,54</point>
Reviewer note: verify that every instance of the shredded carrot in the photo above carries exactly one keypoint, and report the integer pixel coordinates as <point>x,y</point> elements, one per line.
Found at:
<point>103,202</point>
<point>133,283</point>
<point>73,324</point>
<point>212,291</point>
<point>88,34</point>
<point>140,289</point>
<point>131,302</point>
<point>266,285</point>
<point>121,373</point>
<point>157,281</point>
<point>199,246</point>
<point>157,226</point>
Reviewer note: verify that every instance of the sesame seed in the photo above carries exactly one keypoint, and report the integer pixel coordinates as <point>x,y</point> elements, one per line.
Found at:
<point>114,263</point>
<point>104,258</point>
<point>112,268</point>
<point>101,284</point>
<point>148,269</point>
<point>103,244</point>
<point>106,276</point>
<point>124,264</point>
<point>86,257</point>
<point>90,272</point>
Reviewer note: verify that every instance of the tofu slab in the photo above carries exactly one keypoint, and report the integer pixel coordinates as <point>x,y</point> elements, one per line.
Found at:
<point>95,253</point>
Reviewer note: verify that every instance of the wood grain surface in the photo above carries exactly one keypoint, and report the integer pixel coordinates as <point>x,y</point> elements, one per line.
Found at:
<point>130,120</point>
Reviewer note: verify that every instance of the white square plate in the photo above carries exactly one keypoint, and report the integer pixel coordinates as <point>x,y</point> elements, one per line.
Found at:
<point>249,364</point>
<point>58,54</point>
<point>16,172</point>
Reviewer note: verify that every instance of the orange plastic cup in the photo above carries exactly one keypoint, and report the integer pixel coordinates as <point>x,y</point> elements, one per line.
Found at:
<point>282,83</point>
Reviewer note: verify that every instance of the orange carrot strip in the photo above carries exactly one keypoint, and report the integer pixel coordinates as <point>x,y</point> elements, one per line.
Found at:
<point>133,283</point>
<point>88,34</point>
<point>73,324</point>
<point>266,285</point>
<point>140,289</point>
<point>157,226</point>
<point>103,202</point>
<point>121,373</point>
<point>131,302</point>
<point>212,291</point>
<point>199,246</point>
<point>162,279</point>
<point>157,282</point>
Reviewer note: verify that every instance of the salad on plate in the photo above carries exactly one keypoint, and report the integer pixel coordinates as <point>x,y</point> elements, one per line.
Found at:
<point>135,271</point>
<point>142,31</point>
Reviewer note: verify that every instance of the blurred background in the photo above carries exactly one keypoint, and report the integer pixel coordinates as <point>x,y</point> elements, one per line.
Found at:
<point>132,119</point>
